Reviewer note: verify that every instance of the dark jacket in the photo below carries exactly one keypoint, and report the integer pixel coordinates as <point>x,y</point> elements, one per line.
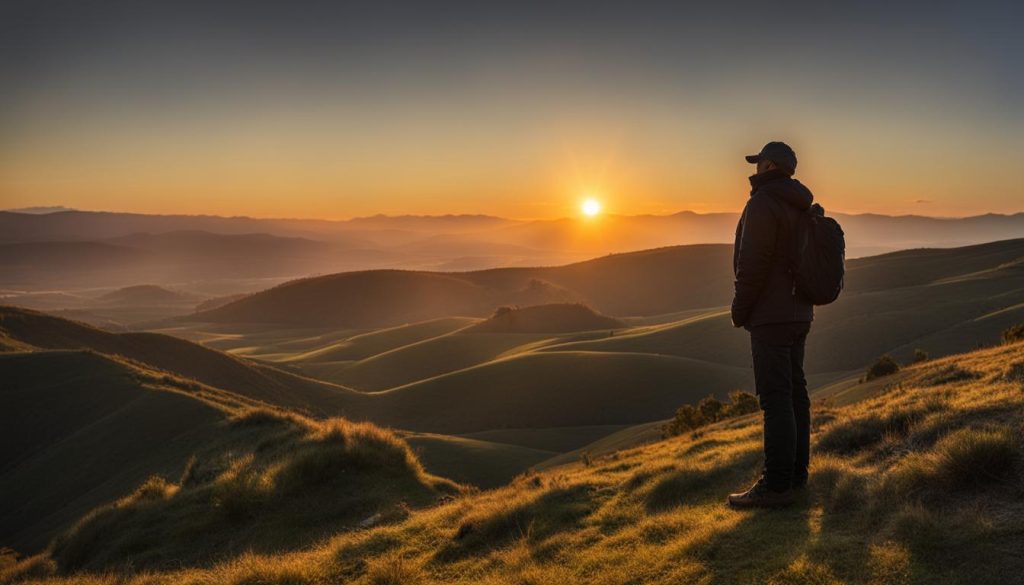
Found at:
<point>764,287</point>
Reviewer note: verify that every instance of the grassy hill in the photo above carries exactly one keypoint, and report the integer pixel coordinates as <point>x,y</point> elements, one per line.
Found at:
<point>90,428</point>
<point>94,427</point>
<point>920,483</point>
<point>649,282</point>
<point>555,389</point>
<point>941,301</point>
<point>249,379</point>
<point>674,278</point>
<point>479,461</point>
<point>146,294</point>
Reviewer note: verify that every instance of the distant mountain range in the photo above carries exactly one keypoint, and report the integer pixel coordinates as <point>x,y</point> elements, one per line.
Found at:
<point>68,250</point>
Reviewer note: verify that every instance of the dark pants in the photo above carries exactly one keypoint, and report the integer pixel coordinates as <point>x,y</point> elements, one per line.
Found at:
<point>778,352</point>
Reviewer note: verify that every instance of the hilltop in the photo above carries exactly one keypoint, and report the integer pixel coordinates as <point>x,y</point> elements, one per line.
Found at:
<point>920,482</point>
<point>549,318</point>
<point>144,294</point>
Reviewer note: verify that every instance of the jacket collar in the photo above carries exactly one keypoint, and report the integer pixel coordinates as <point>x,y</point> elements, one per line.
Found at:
<point>760,179</point>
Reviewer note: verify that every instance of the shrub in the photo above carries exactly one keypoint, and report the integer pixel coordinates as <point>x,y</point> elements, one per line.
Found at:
<point>741,403</point>
<point>502,310</point>
<point>885,366</point>
<point>1014,334</point>
<point>920,355</point>
<point>710,409</point>
<point>687,418</point>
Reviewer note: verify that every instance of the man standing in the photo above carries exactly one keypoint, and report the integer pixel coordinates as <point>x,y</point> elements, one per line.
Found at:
<point>766,304</point>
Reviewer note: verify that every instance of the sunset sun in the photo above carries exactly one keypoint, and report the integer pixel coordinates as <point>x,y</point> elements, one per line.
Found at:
<point>591,207</point>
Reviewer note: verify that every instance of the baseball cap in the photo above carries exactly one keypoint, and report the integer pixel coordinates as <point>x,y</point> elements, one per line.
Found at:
<point>778,152</point>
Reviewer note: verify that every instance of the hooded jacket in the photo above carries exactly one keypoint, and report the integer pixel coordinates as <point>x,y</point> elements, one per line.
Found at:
<point>764,286</point>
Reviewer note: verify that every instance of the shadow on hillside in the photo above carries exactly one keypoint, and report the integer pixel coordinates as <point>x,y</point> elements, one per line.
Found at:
<point>691,485</point>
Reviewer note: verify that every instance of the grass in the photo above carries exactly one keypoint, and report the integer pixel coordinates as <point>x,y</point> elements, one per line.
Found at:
<point>934,496</point>
<point>258,498</point>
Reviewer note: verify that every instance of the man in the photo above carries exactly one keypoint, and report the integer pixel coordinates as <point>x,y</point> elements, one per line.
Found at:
<point>766,304</point>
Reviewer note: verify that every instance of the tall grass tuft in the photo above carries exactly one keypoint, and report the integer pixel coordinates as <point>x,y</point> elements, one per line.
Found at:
<point>966,459</point>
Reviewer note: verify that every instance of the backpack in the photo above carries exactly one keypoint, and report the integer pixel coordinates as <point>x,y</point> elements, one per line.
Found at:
<point>819,260</point>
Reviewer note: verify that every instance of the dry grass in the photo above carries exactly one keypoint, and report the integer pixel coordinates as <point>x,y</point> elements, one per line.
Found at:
<point>922,484</point>
<point>299,480</point>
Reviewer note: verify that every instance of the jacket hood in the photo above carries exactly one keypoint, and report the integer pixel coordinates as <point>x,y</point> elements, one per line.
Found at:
<point>784,187</point>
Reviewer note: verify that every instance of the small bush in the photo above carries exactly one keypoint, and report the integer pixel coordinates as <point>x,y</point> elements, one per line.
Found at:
<point>709,410</point>
<point>741,403</point>
<point>920,355</point>
<point>1014,334</point>
<point>885,366</point>
<point>503,310</point>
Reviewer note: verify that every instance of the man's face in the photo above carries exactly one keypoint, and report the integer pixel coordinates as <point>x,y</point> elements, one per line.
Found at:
<point>764,165</point>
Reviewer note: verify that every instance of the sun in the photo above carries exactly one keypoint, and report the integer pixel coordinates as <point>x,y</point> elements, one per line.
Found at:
<point>591,207</point>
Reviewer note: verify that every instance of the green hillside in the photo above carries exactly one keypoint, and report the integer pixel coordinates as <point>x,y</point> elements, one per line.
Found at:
<point>921,483</point>
<point>674,278</point>
<point>90,429</point>
<point>100,426</point>
<point>256,381</point>
<point>968,297</point>
<point>555,389</point>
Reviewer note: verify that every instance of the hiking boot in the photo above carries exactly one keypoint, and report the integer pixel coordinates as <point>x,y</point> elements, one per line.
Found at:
<point>761,496</point>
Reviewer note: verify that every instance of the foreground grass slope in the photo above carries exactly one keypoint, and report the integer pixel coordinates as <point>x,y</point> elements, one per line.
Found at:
<point>89,429</point>
<point>920,484</point>
<point>94,427</point>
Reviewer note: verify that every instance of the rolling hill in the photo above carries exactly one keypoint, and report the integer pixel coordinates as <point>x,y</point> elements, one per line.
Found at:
<point>249,379</point>
<point>941,301</point>
<point>101,426</point>
<point>146,294</point>
<point>674,278</point>
<point>919,482</point>
<point>555,389</point>
<point>649,282</point>
<point>90,429</point>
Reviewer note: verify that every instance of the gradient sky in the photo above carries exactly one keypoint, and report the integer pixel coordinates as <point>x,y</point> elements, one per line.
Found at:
<point>337,110</point>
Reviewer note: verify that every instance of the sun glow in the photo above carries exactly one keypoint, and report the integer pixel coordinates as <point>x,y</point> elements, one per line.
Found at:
<point>591,207</point>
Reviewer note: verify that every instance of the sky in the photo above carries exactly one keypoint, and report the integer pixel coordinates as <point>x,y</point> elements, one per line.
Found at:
<point>517,109</point>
